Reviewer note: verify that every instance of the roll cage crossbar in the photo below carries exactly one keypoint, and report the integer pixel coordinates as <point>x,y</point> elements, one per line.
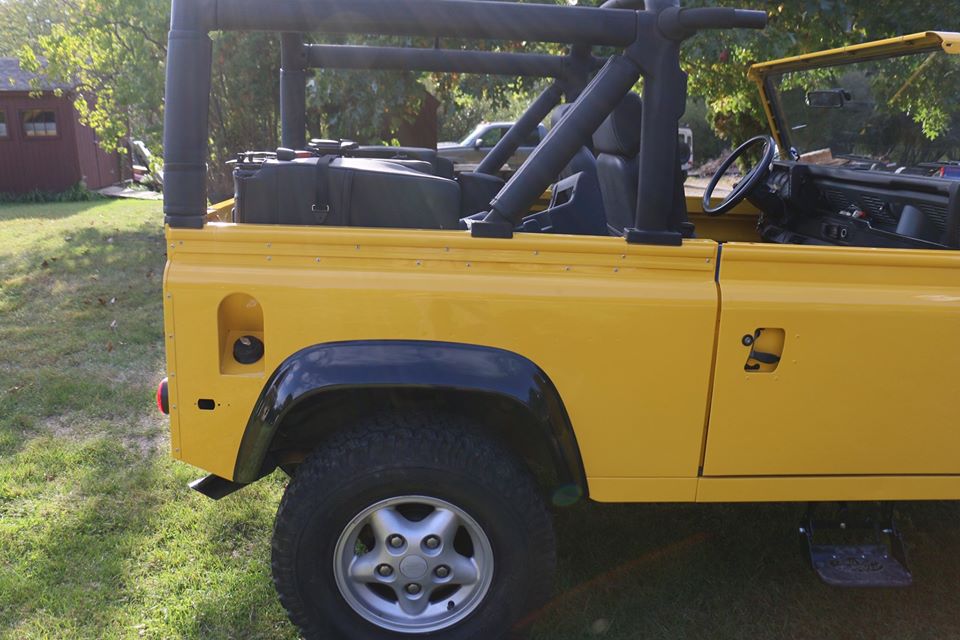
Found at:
<point>571,74</point>
<point>650,40</point>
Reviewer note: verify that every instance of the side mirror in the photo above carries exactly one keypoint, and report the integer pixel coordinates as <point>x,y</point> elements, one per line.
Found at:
<point>478,143</point>
<point>828,99</point>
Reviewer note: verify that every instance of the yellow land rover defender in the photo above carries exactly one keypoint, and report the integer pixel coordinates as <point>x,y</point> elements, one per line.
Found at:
<point>437,363</point>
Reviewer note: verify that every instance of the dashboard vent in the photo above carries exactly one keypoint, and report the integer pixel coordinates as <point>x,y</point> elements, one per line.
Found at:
<point>878,209</point>
<point>837,199</point>
<point>937,215</point>
<point>882,213</point>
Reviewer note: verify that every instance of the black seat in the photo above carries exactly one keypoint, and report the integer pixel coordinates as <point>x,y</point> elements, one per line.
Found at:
<point>617,143</point>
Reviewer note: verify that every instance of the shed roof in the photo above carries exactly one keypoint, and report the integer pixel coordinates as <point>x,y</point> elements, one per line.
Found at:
<point>13,78</point>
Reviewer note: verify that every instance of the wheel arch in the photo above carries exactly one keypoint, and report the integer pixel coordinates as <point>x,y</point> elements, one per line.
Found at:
<point>507,394</point>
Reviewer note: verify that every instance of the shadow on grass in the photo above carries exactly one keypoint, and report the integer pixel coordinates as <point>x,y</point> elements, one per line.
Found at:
<point>737,571</point>
<point>46,211</point>
<point>82,333</point>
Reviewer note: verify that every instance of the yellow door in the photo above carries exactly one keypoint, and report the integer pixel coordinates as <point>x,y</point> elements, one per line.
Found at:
<point>836,361</point>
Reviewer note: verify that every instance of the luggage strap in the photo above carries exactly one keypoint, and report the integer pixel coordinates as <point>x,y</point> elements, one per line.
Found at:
<point>321,204</point>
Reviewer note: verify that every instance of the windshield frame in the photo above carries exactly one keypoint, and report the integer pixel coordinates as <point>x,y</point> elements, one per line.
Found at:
<point>764,74</point>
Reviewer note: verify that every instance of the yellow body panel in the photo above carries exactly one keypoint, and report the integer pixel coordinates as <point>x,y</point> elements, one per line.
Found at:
<point>870,358</point>
<point>578,307</point>
<point>738,225</point>
<point>828,489</point>
<point>857,409</point>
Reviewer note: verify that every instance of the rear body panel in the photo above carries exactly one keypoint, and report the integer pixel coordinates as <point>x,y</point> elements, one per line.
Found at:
<point>642,343</point>
<point>578,307</point>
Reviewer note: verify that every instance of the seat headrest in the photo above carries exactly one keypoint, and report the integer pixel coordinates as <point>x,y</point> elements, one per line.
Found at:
<point>620,132</point>
<point>558,113</point>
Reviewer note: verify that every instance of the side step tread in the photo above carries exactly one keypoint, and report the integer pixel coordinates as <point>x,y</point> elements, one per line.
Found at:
<point>869,565</point>
<point>849,552</point>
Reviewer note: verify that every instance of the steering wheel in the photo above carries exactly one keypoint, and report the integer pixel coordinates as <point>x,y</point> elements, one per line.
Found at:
<point>756,175</point>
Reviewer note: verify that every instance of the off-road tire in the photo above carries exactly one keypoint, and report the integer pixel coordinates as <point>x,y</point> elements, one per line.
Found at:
<point>442,457</point>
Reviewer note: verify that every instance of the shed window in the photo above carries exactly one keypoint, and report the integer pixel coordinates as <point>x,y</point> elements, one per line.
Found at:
<point>40,123</point>
<point>3,125</point>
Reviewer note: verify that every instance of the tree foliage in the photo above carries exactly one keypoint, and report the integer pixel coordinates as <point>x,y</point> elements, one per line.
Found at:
<point>114,51</point>
<point>22,21</point>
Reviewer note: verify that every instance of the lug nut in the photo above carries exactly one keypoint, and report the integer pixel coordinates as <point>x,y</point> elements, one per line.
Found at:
<point>395,541</point>
<point>384,571</point>
<point>432,542</point>
<point>413,589</point>
<point>442,571</point>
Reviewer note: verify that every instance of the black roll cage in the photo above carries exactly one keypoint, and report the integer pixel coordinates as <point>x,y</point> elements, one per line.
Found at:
<point>570,73</point>
<point>649,32</point>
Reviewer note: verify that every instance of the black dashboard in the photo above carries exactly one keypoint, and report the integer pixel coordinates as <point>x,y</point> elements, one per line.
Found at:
<point>816,204</point>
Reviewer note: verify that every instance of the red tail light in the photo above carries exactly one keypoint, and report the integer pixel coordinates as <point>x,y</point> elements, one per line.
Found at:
<point>163,398</point>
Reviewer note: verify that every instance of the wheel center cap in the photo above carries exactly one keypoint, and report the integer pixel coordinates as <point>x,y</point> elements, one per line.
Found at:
<point>413,567</point>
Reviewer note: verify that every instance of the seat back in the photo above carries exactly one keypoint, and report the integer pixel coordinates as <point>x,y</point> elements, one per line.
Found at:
<point>617,143</point>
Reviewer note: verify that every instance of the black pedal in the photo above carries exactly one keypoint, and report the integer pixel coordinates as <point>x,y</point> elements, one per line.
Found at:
<point>849,552</point>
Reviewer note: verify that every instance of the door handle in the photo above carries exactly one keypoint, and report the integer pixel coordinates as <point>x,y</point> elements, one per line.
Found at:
<point>764,358</point>
<point>766,349</point>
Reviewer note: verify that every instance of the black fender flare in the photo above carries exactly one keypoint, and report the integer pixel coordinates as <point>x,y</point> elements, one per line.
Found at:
<point>410,364</point>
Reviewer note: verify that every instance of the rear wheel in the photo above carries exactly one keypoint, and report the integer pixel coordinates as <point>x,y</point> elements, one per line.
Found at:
<point>418,528</point>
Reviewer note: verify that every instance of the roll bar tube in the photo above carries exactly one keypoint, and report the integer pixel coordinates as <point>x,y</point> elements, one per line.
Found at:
<point>189,59</point>
<point>570,74</point>
<point>563,141</point>
<point>293,91</point>
<point>477,19</point>
<point>521,130</point>
<point>338,56</point>
<point>656,57</point>
<point>651,39</point>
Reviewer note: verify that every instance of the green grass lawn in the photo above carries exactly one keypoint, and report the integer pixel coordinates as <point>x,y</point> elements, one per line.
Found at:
<point>100,537</point>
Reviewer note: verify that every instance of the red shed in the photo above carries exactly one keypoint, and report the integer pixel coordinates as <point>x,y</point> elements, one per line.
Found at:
<point>42,143</point>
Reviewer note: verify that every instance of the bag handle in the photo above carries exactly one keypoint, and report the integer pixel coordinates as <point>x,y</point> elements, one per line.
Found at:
<point>321,204</point>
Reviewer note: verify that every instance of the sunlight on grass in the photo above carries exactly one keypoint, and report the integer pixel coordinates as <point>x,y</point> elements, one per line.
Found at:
<point>99,535</point>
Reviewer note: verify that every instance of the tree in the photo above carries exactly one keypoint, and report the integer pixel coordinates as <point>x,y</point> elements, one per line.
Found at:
<point>114,52</point>
<point>22,21</point>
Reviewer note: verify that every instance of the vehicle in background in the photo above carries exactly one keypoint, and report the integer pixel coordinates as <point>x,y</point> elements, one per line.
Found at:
<point>471,151</point>
<point>951,171</point>
<point>685,141</point>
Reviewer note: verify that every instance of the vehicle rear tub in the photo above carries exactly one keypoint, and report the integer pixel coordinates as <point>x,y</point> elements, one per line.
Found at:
<point>589,311</point>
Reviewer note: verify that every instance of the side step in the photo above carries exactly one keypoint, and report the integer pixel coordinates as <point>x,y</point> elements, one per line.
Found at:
<point>215,487</point>
<point>877,559</point>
